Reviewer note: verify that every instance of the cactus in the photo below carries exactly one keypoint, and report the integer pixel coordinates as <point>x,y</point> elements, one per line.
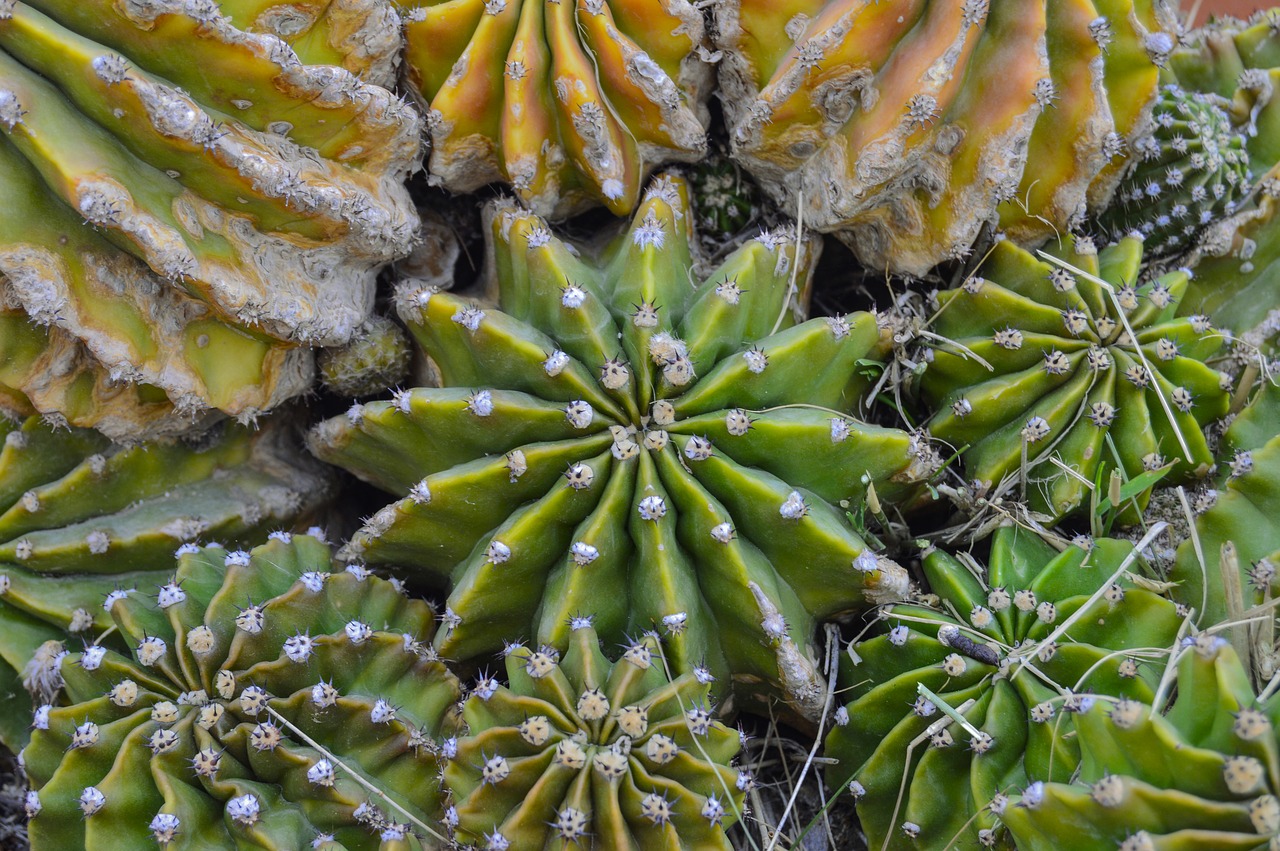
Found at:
<point>584,751</point>
<point>1190,172</point>
<point>267,699</point>
<point>241,202</point>
<point>572,103</point>
<point>1230,561</point>
<point>905,127</point>
<point>1015,649</point>
<point>1041,366</point>
<point>81,518</point>
<point>612,426</point>
<point>725,200</point>
<point>1203,775</point>
<point>376,359</point>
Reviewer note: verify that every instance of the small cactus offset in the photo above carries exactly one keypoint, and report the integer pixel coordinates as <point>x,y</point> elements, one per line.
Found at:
<point>1204,775</point>
<point>268,700</point>
<point>571,102</point>
<point>377,358</point>
<point>584,752</point>
<point>1190,172</point>
<point>905,127</point>
<point>610,426</point>
<point>240,199</point>
<point>1015,650</point>
<point>1091,370</point>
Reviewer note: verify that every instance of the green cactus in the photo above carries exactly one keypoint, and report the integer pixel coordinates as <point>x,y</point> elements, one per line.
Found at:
<point>613,426</point>
<point>1016,649</point>
<point>1202,775</point>
<point>904,128</point>
<point>241,201</point>
<point>1040,365</point>
<point>725,200</point>
<point>1191,172</point>
<point>376,359</point>
<point>582,750</point>
<point>572,103</point>
<point>81,518</point>
<point>267,699</point>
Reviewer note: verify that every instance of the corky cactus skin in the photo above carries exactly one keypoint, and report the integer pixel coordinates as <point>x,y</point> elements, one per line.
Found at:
<point>904,127</point>
<point>612,426</point>
<point>1191,171</point>
<point>572,102</point>
<point>1025,639</point>
<point>241,200</point>
<point>614,755</point>
<point>199,737</point>
<point>1065,379</point>
<point>1204,775</point>
<point>80,518</point>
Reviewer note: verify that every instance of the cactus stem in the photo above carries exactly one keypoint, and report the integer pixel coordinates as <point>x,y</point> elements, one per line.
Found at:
<point>292,728</point>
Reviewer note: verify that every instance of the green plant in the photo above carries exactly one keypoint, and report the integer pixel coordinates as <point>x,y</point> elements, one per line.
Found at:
<point>267,698</point>
<point>1072,359</point>
<point>1203,774</point>
<point>905,129</point>
<point>377,358</point>
<point>572,103</point>
<point>613,425</point>
<point>973,687</point>
<point>240,199</point>
<point>81,518</point>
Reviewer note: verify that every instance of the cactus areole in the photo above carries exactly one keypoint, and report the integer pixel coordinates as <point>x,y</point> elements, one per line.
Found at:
<point>618,440</point>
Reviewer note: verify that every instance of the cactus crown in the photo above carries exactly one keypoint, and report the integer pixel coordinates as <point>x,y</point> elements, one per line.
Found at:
<point>615,425</point>
<point>582,749</point>
<point>1094,370</point>
<point>1015,649</point>
<point>265,698</point>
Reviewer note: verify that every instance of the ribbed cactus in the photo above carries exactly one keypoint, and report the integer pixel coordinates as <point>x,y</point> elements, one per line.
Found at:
<point>268,700</point>
<point>1016,649</point>
<point>1191,171</point>
<point>584,752</point>
<point>615,438</point>
<point>904,127</point>
<point>572,102</point>
<point>725,199</point>
<point>241,199</point>
<point>81,518</point>
<point>1090,370</point>
<point>1204,775</point>
<point>1233,556</point>
<point>377,358</point>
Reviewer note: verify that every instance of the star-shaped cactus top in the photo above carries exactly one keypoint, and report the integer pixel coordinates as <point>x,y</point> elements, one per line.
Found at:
<point>1014,649</point>
<point>268,698</point>
<point>1092,370</point>
<point>584,750</point>
<point>617,439</point>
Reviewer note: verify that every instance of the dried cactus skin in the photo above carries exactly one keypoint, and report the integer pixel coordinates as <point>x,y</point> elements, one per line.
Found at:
<point>582,746</point>
<point>972,646</point>
<point>906,127</point>
<point>81,518</point>
<point>1190,172</point>
<point>714,456</point>
<point>572,103</point>
<point>1066,379</point>
<point>244,690</point>
<point>241,200</point>
<point>1185,779</point>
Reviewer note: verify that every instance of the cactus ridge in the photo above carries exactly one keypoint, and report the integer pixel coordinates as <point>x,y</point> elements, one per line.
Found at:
<point>615,425</point>
<point>572,103</point>
<point>580,750</point>
<point>1042,366</point>
<point>906,127</point>
<point>255,683</point>
<point>1016,649</point>
<point>246,215</point>
<point>1202,775</point>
